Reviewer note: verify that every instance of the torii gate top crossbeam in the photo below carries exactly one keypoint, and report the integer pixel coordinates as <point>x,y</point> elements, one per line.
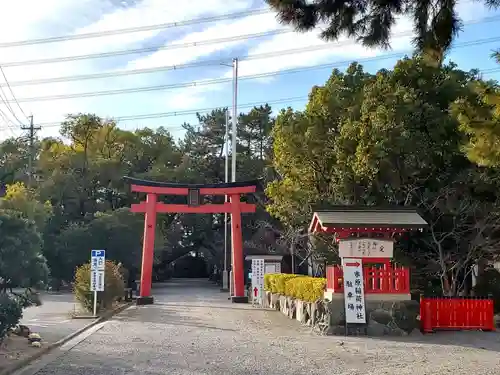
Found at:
<point>168,188</point>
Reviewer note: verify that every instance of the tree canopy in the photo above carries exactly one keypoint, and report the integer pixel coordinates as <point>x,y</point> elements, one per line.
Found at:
<point>418,134</point>
<point>436,23</point>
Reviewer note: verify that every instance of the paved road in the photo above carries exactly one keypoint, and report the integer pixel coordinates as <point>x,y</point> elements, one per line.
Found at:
<point>193,329</point>
<point>52,319</point>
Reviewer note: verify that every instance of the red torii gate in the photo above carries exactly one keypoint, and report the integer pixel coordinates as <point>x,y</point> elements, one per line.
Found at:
<point>193,191</point>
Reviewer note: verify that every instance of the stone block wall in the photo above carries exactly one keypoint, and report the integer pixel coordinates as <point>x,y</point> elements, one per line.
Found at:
<point>384,317</point>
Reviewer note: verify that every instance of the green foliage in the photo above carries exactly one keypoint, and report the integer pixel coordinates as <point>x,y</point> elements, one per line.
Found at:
<point>19,198</point>
<point>306,288</point>
<point>480,121</point>
<point>300,287</point>
<point>436,24</point>
<point>411,135</point>
<point>275,282</point>
<point>21,260</point>
<point>113,290</point>
<point>11,313</point>
<point>488,284</point>
<point>82,180</point>
<point>393,138</point>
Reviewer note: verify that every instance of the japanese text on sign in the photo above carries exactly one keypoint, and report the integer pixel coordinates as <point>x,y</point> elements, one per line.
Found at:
<point>257,278</point>
<point>97,260</point>
<point>97,267</point>
<point>366,248</point>
<point>354,296</point>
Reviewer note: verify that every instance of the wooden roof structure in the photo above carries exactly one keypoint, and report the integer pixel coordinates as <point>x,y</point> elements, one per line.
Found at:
<point>366,219</point>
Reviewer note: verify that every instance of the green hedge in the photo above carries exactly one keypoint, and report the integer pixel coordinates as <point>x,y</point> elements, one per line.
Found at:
<point>301,287</point>
<point>275,282</point>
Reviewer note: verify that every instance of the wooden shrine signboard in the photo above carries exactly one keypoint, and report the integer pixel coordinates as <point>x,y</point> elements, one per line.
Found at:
<point>366,248</point>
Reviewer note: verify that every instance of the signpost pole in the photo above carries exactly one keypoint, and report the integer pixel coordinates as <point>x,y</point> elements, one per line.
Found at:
<point>97,269</point>
<point>95,303</point>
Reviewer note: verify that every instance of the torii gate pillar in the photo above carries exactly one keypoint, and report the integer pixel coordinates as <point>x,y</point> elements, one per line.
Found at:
<point>152,206</point>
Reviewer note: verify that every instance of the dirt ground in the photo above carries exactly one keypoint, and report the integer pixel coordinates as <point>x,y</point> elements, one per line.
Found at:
<point>13,349</point>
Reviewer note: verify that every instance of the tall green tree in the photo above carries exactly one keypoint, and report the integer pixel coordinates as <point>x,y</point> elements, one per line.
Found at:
<point>436,23</point>
<point>390,138</point>
<point>19,198</point>
<point>21,259</point>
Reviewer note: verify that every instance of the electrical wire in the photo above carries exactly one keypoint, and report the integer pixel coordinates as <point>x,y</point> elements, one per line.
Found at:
<point>161,26</point>
<point>203,63</point>
<point>241,78</point>
<point>7,103</point>
<point>145,49</point>
<point>197,44</point>
<point>250,105</point>
<point>190,111</point>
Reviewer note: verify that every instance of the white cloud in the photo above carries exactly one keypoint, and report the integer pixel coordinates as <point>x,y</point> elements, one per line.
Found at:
<point>224,29</point>
<point>62,17</point>
<point>94,16</point>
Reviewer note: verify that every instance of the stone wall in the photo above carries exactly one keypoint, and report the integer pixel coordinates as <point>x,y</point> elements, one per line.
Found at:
<point>385,318</point>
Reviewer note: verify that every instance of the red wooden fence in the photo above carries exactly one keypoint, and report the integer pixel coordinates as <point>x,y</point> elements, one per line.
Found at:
<point>388,279</point>
<point>456,313</point>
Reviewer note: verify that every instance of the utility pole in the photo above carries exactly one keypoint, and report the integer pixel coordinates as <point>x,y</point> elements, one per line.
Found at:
<point>225,278</point>
<point>233,149</point>
<point>235,119</point>
<point>31,153</point>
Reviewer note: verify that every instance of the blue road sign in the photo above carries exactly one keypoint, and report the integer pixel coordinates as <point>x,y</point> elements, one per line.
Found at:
<point>98,253</point>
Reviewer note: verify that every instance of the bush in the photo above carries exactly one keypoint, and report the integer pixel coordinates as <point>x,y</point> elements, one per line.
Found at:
<point>275,282</point>
<point>301,287</point>
<point>11,313</point>
<point>113,289</point>
<point>305,288</point>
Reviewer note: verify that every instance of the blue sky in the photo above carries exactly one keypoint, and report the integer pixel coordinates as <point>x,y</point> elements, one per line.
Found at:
<point>27,19</point>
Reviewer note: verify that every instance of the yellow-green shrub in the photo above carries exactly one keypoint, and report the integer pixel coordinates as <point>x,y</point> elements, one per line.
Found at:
<point>305,288</point>
<point>275,282</point>
<point>113,287</point>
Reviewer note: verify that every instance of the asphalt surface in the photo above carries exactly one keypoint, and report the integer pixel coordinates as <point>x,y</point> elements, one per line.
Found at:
<point>52,319</point>
<point>193,329</point>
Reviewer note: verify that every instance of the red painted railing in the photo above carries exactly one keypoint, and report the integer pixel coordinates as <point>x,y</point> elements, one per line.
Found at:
<point>388,279</point>
<point>456,313</point>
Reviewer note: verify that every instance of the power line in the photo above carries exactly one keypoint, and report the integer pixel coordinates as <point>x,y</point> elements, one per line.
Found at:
<point>13,97</point>
<point>226,80</point>
<point>145,49</point>
<point>128,30</point>
<point>3,115</point>
<point>172,67</point>
<point>4,99</point>
<point>147,116</point>
<point>97,34</point>
<point>10,126</point>
<point>196,44</point>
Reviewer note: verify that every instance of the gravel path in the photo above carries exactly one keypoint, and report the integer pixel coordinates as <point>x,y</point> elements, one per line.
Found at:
<point>193,329</point>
